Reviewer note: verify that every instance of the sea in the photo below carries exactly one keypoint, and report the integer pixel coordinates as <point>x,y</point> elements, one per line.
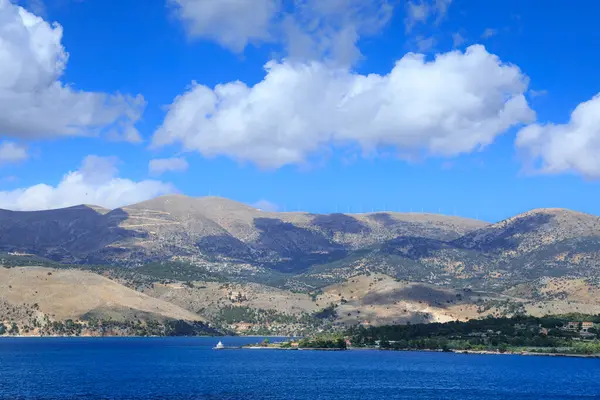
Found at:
<point>188,368</point>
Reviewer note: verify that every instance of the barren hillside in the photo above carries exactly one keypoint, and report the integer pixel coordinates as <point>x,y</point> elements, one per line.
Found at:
<point>72,294</point>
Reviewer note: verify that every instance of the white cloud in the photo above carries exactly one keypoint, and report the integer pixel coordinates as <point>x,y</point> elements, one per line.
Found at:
<point>570,147</point>
<point>33,101</point>
<point>265,205</point>
<point>416,13</point>
<point>420,12</point>
<point>159,166</point>
<point>308,29</point>
<point>232,23</point>
<point>454,104</point>
<point>441,7</point>
<point>488,33</point>
<point>330,29</point>
<point>11,152</point>
<point>96,182</point>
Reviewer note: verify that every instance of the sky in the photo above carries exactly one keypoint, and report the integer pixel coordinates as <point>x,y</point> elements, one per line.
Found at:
<point>481,109</point>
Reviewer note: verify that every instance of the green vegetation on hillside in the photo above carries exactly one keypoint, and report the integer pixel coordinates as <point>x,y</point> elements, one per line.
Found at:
<point>521,333</point>
<point>109,327</point>
<point>323,342</point>
<point>145,274</point>
<point>318,342</point>
<point>265,322</point>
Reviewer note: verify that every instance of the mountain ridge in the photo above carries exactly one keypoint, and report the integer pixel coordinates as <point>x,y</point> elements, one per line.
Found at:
<point>212,199</point>
<point>209,199</point>
<point>211,229</point>
<point>235,240</point>
<point>229,261</point>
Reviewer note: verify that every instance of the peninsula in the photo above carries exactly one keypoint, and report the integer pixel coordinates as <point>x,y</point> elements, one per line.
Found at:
<point>573,334</point>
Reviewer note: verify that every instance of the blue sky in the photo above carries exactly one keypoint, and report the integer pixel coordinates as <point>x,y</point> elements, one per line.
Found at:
<point>480,125</point>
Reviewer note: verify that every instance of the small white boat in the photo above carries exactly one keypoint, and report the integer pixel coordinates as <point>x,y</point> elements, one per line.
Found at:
<point>219,346</point>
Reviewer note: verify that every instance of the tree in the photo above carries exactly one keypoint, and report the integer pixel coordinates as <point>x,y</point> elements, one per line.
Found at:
<point>2,329</point>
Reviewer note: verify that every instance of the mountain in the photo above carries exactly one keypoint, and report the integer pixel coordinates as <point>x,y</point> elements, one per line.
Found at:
<point>211,232</point>
<point>213,259</point>
<point>543,242</point>
<point>221,237</point>
<point>535,244</point>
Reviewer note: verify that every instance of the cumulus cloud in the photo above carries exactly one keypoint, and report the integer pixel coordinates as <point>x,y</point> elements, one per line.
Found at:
<point>308,29</point>
<point>571,147</point>
<point>11,152</point>
<point>95,182</point>
<point>34,102</point>
<point>456,103</point>
<point>159,166</point>
<point>231,23</point>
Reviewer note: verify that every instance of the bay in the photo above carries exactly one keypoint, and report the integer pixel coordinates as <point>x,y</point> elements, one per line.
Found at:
<point>188,368</point>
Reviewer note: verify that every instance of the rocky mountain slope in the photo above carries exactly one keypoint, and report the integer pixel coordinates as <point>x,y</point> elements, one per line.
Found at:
<point>211,232</point>
<point>539,243</point>
<point>554,241</point>
<point>196,253</point>
<point>303,251</point>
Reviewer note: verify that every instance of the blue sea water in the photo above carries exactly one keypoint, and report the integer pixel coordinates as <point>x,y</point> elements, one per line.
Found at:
<point>188,368</point>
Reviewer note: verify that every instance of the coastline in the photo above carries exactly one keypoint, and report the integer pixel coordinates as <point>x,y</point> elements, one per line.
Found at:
<point>523,353</point>
<point>99,336</point>
<point>464,352</point>
<point>254,347</point>
<point>487,352</point>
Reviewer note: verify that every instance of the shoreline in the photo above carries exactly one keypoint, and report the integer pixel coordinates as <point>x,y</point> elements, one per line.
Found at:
<point>134,336</point>
<point>99,337</point>
<point>289,348</point>
<point>523,353</point>
<point>465,352</point>
<point>254,347</point>
<point>486,352</point>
